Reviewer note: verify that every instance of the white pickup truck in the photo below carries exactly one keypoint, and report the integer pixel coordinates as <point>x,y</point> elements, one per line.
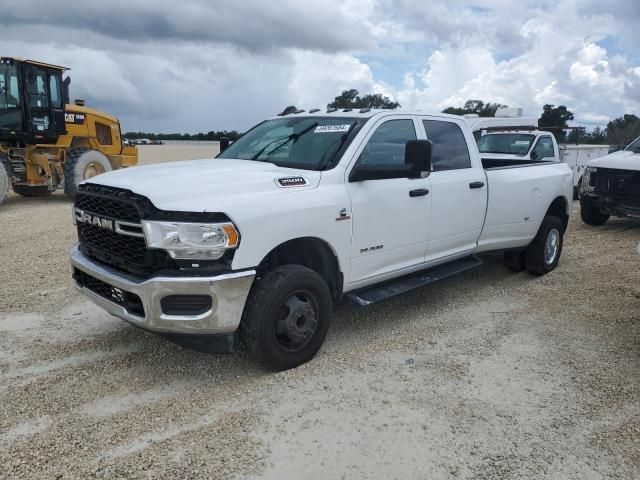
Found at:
<point>303,210</point>
<point>611,186</point>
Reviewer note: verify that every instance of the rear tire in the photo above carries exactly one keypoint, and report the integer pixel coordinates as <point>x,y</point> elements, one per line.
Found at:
<point>543,253</point>
<point>590,214</point>
<point>27,191</point>
<point>83,164</point>
<point>286,318</point>
<point>4,183</point>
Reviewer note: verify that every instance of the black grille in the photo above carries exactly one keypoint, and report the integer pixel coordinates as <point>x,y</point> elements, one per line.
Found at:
<point>130,301</point>
<point>124,252</point>
<point>617,182</point>
<point>108,202</point>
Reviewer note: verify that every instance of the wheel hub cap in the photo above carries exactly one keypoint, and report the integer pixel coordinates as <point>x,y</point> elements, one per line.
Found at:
<point>296,322</point>
<point>551,247</point>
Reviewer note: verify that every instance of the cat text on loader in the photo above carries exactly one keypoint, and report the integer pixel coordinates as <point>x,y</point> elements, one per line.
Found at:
<point>47,144</point>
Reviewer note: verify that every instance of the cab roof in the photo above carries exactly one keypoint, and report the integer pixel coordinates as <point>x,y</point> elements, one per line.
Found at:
<point>35,62</point>
<point>358,113</point>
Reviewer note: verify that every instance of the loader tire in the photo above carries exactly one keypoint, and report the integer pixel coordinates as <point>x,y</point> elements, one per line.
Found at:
<point>4,183</point>
<point>27,191</point>
<point>83,164</point>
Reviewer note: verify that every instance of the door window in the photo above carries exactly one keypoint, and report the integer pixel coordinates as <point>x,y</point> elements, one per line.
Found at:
<point>386,145</point>
<point>544,148</point>
<point>449,149</point>
<point>37,88</point>
<point>54,88</point>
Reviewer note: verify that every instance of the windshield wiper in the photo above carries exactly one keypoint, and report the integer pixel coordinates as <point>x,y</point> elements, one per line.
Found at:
<point>326,162</point>
<point>294,136</point>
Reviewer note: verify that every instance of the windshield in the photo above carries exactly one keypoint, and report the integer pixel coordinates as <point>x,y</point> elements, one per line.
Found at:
<point>312,143</point>
<point>635,146</point>
<point>9,97</point>
<point>511,143</point>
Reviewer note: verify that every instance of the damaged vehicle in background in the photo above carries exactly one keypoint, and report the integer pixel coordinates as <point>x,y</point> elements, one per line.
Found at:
<point>611,186</point>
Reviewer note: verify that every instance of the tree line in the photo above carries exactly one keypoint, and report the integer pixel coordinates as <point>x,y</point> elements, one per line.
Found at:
<point>621,131</point>
<point>232,135</point>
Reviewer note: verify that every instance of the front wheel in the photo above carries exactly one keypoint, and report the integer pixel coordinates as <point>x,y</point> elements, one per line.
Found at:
<point>287,317</point>
<point>590,214</point>
<point>543,253</point>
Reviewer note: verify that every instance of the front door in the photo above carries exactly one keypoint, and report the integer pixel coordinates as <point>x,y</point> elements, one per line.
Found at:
<point>390,217</point>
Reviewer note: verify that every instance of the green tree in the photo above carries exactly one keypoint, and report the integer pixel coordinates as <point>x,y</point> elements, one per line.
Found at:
<point>555,119</point>
<point>477,107</point>
<point>351,99</point>
<point>623,130</point>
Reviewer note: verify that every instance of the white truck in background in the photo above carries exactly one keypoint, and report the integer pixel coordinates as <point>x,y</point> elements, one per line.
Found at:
<point>304,210</point>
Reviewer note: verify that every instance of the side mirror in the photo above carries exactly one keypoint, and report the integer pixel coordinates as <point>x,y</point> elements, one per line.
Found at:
<point>417,154</point>
<point>224,143</point>
<point>534,155</point>
<point>417,163</point>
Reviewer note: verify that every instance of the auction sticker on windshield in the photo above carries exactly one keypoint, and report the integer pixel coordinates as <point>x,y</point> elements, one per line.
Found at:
<point>332,128</point>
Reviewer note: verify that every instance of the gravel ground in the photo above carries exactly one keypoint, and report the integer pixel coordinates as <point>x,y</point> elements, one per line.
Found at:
<point>487,375</point>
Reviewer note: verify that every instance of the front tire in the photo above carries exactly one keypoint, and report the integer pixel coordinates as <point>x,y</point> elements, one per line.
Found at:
<point>543,253</point>
<point>286,318</point>
<point>590,214</point>
<point>83,164</point>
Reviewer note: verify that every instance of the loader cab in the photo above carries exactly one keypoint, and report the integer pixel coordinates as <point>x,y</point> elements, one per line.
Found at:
<point>32,100</point>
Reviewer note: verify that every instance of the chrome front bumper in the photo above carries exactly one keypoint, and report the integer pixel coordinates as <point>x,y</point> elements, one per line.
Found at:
<point>228,293</point>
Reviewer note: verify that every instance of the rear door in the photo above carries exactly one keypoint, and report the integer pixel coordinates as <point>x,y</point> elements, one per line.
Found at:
<point>390,217</point>
<point>458,191</point>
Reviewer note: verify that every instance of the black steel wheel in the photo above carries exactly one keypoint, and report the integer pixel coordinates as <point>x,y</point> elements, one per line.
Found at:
<point>286,318</point>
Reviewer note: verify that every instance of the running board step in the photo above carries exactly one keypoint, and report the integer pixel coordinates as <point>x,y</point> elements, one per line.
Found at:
<point>377,293</point>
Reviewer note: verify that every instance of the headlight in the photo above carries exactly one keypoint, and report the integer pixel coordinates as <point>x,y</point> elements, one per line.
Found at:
<point>203,241</point>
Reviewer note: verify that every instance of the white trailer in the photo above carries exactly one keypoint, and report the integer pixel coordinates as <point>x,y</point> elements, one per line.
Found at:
<point>578,156</point>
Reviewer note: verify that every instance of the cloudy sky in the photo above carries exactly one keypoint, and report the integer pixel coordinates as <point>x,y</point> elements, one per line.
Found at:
<point>200,65</point>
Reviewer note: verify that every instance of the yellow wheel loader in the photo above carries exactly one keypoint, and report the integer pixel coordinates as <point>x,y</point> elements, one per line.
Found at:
<point>47,144</point>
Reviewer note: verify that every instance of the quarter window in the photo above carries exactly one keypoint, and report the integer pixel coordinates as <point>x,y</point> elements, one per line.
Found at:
<point>386,145</point>
<point>449,150</point>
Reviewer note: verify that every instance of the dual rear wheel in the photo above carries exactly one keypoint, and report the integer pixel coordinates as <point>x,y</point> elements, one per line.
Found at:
<point>543,253</point>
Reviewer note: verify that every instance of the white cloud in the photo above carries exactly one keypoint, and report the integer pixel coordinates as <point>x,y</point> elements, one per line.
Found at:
<point>193,66</point>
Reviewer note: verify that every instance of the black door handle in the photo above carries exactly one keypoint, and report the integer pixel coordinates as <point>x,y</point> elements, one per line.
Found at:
<point>476,185</point>
<point>420,192</point>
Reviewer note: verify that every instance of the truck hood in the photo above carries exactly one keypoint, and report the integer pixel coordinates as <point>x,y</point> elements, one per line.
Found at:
<point>215,183</point>
<point>623,160</point>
